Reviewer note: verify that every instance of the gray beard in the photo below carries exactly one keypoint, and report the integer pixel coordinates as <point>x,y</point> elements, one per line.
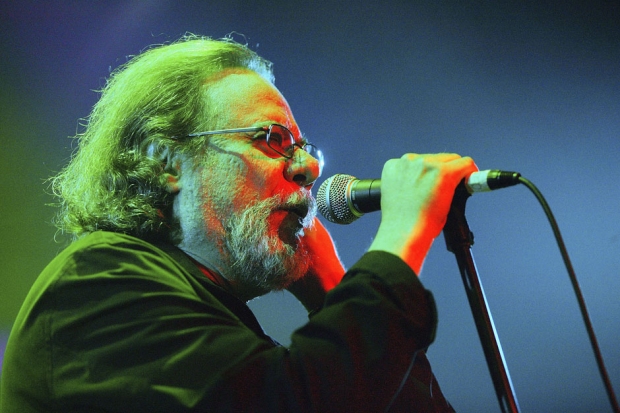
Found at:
<point>262,261</point>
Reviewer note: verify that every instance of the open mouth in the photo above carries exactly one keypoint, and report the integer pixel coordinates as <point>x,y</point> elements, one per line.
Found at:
<point>296,217</point>
<point>299,210</point>
<point>293,224</point>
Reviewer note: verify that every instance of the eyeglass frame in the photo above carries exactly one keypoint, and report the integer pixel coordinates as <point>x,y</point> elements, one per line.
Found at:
<point>301,145</point>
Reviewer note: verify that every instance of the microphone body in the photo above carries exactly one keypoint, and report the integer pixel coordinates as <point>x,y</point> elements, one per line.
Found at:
<point>343,198</point>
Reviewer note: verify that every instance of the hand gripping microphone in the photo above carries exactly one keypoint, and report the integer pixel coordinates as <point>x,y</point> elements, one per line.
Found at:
<point>343,198</point>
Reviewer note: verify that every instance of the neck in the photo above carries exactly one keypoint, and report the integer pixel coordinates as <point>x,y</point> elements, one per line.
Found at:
<point>213,273</point>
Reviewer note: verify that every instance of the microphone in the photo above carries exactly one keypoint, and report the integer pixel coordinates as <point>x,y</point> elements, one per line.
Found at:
<point>342,199</point>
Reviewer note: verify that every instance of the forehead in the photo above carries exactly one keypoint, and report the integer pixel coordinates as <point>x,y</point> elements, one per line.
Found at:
<point>243,98</point>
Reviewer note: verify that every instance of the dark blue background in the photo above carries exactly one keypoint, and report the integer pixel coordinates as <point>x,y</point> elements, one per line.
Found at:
<point>518,85</point>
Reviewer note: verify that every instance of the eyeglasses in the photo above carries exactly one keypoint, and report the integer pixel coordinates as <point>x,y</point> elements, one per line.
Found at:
<point>278,138</point>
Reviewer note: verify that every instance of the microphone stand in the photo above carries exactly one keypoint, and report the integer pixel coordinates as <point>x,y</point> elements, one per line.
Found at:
<point>459,240</point>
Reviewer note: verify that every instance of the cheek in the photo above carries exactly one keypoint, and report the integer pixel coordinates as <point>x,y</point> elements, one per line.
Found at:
<point>227,184</point>
<point>257,178</point>
<point>233,178</point>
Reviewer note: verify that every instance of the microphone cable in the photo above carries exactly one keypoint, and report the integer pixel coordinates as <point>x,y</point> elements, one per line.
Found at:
<point>577,289</point>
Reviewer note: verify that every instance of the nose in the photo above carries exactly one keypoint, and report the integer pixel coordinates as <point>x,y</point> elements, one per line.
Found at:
<point>302,168</point>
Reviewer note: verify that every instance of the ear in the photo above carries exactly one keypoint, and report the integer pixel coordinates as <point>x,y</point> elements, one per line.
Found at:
<point>171,165</point>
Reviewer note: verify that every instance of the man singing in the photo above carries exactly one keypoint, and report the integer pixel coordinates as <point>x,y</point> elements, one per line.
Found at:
<point>188,196</point>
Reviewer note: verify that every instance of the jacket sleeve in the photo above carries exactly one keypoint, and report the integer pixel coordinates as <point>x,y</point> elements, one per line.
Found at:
<point>363,352</point>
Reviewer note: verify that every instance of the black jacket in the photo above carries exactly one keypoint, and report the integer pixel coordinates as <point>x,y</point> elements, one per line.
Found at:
<point>116,324</point>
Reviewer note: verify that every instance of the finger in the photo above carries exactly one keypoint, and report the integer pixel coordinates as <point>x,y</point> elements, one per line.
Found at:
<point>439,157</point>
<point>463,167</point>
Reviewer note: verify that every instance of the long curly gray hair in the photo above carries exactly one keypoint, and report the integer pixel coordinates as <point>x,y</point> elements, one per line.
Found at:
<point>111,182</point>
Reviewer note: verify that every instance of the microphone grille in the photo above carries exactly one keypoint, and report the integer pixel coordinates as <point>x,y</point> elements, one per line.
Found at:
<point>332,201</point>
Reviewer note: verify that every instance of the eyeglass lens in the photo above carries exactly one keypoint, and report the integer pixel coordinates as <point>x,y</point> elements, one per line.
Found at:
<point>281,140</point>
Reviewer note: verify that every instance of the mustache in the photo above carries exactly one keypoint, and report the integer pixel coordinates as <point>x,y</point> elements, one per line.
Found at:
<point>301,203</point>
